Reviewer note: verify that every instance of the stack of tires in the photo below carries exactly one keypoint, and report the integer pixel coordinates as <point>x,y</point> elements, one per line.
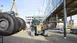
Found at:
<point>9,24</point>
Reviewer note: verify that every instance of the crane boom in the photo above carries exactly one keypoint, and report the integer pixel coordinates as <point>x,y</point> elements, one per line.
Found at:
<point>14,6</point>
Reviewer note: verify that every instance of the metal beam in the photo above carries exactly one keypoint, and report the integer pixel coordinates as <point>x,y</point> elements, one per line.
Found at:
<point>61,8</point>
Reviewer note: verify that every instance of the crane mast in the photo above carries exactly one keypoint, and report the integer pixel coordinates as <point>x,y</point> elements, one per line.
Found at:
<point>14,6</point>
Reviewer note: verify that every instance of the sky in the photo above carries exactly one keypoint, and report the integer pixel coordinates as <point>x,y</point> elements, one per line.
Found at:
<point>26,7</point>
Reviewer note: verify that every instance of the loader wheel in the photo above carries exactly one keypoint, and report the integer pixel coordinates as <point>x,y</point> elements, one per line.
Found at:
<point>7,24</point>
<point>22,22</point>
<point>17,25</point>
<point>16,22</point>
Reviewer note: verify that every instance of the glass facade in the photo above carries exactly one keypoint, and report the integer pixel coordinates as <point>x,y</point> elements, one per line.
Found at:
<point>51,6</point>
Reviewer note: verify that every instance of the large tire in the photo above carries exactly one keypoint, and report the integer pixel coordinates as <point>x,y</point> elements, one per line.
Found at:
<point>16,21</point>
<point>8,27</point>
<point>17,25</point>
<point>23,24</point>
<point>9,24</point>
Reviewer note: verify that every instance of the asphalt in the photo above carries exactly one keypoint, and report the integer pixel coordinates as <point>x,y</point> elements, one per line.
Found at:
<point>23,37</point>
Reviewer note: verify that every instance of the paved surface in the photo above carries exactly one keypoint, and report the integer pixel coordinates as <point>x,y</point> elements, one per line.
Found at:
<point>23,37</point>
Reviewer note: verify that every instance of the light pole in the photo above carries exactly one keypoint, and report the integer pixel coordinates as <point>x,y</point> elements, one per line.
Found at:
<point>65,19</point>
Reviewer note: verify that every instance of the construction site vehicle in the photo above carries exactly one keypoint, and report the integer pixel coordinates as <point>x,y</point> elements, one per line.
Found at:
<point>35,22</point>
<point>37,29</point>
<point>9,23</point>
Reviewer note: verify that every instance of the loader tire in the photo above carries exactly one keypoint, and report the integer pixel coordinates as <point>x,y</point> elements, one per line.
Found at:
<point>22,22</point>
<point>6,24</point>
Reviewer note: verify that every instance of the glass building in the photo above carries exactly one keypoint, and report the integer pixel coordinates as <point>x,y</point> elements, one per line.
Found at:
<point>51,6</point>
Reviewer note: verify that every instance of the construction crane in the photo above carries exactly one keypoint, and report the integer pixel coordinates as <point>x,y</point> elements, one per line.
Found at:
<point>14,6</point>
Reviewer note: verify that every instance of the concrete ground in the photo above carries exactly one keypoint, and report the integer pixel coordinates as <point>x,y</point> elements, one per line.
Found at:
<point>23,37</point>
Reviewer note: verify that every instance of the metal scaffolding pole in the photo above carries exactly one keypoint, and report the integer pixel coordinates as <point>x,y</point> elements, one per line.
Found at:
<point>57,18</point>
<point>65,19</point>
<point>70,17</point>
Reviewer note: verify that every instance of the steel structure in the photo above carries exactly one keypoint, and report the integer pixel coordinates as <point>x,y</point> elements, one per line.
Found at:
<point>14,6</point>
<point>60,11</point>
